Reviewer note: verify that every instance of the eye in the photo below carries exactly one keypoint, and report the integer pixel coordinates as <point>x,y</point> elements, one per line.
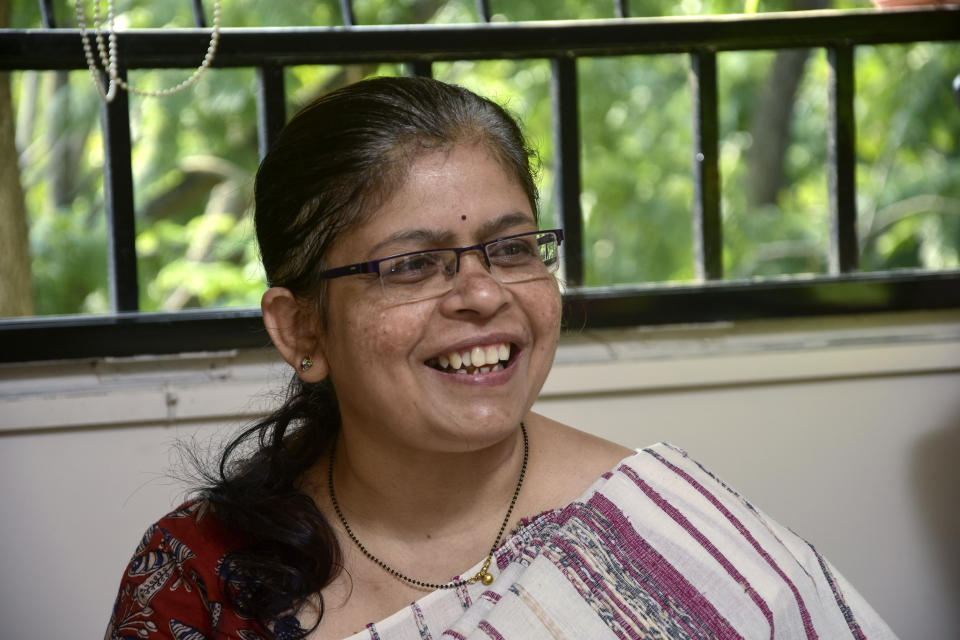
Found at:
<point>514,251</point>
<point>412,268</point>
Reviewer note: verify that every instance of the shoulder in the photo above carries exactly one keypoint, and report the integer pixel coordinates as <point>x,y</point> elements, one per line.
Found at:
<point>191,533</point>
<point>555,440</point>
<point>565,462</point>
<point>172,585</point>
<point>682,535</point>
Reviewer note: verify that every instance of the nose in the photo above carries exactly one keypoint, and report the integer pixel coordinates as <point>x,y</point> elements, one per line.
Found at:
<point>479,254</point>
<point>475,290</point>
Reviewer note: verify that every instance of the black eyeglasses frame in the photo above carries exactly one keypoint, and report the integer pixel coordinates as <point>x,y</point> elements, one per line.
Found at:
<point>373,266</point>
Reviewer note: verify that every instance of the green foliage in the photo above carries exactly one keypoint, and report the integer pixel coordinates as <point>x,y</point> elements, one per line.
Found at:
<point>637,164</point>
<point>68,261</point>
<point>909,164</point>
<point>194,154</point>
<point>63,195</point>
<point>789,236</point>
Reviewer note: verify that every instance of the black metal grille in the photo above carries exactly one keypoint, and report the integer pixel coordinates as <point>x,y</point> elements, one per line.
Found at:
<point>270,50</point>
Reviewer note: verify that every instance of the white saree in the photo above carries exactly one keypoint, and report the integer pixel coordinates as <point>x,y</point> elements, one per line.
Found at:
<point>656,548</point>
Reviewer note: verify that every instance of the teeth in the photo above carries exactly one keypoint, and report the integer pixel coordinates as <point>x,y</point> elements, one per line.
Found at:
<point>478,356</point>
<point>484,369</point>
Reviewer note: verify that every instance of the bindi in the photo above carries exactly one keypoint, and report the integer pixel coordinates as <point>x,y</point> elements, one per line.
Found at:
<point>463,217</point>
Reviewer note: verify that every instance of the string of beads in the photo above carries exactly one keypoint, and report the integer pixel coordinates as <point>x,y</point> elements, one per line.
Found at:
<point>108,53</point>
<point>482,576</point>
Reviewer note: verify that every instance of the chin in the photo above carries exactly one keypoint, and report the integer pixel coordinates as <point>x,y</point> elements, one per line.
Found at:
<point>482,429</point>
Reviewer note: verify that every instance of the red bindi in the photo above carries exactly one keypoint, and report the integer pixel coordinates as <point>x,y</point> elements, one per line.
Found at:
<point>463,217</point>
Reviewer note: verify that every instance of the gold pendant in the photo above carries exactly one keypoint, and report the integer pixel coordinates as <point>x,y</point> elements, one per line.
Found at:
<point>485,577</point>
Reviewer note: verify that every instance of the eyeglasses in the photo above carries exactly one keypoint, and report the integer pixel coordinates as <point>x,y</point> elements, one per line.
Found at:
<point>424,274</point>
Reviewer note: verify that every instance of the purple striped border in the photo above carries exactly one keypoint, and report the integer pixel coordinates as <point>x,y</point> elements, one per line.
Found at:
<point>636,551</point>
<point>421,622</point>
<point>739,526</point>
<point>676,588</point>
<point>488,629</point>
<point>704,542</point>
<point>598,584</point>
<point>855,629</point>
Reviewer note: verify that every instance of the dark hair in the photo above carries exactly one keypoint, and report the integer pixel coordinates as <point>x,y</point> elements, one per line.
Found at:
<point>343,154</point>
<point>333,164</point>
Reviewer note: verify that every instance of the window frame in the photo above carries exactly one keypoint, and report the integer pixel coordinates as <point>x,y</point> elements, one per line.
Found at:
<point>128,332</point>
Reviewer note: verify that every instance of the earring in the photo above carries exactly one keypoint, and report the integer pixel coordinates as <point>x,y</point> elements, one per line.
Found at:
<point>306,363</point>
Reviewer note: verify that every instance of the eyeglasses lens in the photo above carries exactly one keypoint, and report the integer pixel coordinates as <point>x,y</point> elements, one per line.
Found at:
<point>432,273</point>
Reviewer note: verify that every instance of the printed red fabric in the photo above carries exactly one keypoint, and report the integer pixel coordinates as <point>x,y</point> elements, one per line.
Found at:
<point>172,587</point>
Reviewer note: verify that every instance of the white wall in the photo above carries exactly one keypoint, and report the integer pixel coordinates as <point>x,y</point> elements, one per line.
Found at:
<point>846,430</point>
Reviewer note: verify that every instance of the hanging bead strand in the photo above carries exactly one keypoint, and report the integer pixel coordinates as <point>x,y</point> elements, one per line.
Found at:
<point>107,52</point>
<point>107,94</point>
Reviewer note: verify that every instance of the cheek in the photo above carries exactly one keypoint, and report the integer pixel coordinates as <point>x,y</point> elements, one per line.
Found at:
<point>557,303</point>
<point>391,333</point>
<point>545,307</point>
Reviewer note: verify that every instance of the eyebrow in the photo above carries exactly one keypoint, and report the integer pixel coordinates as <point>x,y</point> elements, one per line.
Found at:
<point>422,237</point>
<point>515,219</point>
<point>446,238</point>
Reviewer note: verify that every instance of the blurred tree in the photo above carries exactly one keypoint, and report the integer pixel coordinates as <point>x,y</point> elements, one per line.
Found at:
<point>16,296</point>
<point>194,153</point>
<point>771,124</point>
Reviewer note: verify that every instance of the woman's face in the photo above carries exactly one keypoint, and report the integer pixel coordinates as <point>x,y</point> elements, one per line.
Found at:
<point>384,357</point>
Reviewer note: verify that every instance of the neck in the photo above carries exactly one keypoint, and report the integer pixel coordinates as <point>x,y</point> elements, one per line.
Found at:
<point>409,494</point>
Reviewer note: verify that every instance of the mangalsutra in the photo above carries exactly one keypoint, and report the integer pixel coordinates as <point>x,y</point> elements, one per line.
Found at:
<point>483,576</point>
<point>108,53</point>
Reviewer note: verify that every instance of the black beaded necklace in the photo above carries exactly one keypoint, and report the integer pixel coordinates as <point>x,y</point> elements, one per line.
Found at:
<point>482,576</point>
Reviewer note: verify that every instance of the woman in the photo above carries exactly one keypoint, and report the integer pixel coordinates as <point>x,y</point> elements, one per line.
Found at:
<point>415,298</point>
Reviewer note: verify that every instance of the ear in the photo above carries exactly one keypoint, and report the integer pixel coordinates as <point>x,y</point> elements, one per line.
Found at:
<point>295,331</point>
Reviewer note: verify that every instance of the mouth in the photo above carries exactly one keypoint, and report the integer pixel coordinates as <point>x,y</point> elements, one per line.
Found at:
<point>477,360</point>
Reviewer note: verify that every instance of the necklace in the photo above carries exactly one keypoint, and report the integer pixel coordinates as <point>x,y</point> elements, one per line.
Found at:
<point>482,576</point>
<point>108,54</point>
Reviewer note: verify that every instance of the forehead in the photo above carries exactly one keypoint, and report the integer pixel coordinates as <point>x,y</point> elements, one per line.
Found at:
<point>458,195</point>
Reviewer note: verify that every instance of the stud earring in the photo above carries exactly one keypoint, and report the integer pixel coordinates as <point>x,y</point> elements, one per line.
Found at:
<point>306,363</point>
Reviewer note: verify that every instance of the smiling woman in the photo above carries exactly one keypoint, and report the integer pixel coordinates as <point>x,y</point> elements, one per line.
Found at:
<point>414,296</point>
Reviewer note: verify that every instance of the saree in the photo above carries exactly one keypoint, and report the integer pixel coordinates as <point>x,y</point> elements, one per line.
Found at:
<point>657,548</point>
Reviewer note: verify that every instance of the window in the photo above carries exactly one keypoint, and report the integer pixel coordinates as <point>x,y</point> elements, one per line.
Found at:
<point>657,186</point>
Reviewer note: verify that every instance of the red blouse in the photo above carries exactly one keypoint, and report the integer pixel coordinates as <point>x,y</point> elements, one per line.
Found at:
<point>173,586</point>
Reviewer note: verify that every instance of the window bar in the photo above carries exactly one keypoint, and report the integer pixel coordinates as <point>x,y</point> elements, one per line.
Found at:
<point>419,68</point>
<point>271,106</point>
<point>47,14</point>
<point>199,18</point>
<point>483,10</point>
<point>346,10</point>
<point>118,202</point>
<point>622,8</point>
<point>841,141</point>
<point>707,230</point>
<point>566,157</point>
